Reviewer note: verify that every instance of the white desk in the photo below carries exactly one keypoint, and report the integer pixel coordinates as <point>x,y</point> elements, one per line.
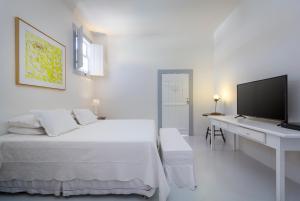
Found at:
<point>266,133</point>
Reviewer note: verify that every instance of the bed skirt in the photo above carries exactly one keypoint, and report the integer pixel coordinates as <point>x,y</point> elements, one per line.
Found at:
<point>77,187</point>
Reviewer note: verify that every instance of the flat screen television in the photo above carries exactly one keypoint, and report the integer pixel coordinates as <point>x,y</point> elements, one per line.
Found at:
<point>266,98</point>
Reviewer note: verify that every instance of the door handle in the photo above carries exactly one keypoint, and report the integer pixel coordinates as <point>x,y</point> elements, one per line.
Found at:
<point>188,101</point>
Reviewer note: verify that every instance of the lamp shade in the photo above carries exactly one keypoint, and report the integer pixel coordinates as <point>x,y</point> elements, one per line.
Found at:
<point>96,101</point>
<point>216,97</point>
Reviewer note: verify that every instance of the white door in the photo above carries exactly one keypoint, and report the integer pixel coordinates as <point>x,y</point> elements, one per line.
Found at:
<point>175,102</point>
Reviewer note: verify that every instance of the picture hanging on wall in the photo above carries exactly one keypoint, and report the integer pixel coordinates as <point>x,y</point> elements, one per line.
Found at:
<point>40,59</point>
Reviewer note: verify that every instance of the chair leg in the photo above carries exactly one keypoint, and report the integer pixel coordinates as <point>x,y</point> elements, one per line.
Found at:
<point>207,130</point>
<point>211,132</point>
<point>222,135</point>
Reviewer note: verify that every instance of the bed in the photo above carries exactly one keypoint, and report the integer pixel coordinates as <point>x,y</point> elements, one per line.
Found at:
<point>106,157</point>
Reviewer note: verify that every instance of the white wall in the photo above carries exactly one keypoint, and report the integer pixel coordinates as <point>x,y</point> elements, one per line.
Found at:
<point>144,36</point>
<point>54,18</point>
<point>129,88</point>
<point>260,39</point>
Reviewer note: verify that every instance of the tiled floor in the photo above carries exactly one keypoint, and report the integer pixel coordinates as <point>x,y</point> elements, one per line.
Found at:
<point>223,175</point>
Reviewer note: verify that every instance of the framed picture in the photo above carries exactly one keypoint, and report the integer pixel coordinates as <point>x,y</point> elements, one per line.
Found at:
<point>40,59</point>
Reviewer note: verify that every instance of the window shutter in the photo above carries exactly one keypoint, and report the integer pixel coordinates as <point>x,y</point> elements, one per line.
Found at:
<point>79,47</point>
<point>74,46</point>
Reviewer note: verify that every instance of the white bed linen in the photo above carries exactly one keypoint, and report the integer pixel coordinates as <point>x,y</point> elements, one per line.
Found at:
<point>76,187</point>
<point>95,187</point>
<point>106,150</point>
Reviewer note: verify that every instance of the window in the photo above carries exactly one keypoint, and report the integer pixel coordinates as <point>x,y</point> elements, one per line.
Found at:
<point>88,57</point>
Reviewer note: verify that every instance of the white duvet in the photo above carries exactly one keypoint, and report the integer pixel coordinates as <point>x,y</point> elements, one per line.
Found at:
<point>106,150</point>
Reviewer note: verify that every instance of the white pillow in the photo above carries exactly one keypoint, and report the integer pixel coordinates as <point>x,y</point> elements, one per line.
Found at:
<point>56,122</point>
<point>27,131</point>
<point>24,121</point>
<point>84,116</point>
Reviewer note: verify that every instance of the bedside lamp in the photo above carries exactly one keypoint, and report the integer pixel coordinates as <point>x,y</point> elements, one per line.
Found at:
<point>216,99</point>
<point>95,104</point>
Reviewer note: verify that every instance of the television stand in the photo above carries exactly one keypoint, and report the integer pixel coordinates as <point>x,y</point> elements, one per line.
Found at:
<point>237,116</point>
<point>264,133</point>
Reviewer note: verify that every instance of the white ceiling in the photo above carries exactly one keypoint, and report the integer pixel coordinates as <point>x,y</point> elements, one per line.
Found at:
<point>153,16</point>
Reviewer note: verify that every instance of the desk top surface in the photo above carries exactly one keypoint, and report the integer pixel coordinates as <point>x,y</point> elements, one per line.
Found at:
<point>265,126</point>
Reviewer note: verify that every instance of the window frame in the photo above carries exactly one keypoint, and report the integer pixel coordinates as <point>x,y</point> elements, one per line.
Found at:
<point>84,54</point>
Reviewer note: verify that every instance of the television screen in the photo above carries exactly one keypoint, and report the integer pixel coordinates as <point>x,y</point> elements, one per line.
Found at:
<point>263,98</point>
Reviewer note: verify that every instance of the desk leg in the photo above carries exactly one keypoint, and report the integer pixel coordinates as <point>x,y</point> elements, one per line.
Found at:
<point>235,142</point>
<point>280,175</point>
<point>212,136</point>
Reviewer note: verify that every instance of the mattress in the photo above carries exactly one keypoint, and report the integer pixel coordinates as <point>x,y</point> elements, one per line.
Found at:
<point>120,150</point>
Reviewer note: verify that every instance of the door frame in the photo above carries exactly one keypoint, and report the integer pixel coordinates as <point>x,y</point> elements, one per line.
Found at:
<point>160,72</point>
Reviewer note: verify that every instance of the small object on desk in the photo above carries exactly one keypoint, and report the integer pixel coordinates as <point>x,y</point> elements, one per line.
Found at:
<point>101,118</point>
<point>217,132</point>
<point>294,126</point>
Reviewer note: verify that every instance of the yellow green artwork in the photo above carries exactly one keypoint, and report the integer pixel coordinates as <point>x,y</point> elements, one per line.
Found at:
<point>43,61</point>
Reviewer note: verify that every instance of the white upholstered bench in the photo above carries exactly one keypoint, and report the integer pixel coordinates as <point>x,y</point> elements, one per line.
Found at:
<point>177,157</point>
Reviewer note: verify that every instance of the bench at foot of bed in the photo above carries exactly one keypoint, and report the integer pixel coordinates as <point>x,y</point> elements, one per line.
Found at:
<point>178,159</point>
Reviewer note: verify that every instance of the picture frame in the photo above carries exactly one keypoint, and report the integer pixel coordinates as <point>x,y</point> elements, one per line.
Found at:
<point>40,59</point>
